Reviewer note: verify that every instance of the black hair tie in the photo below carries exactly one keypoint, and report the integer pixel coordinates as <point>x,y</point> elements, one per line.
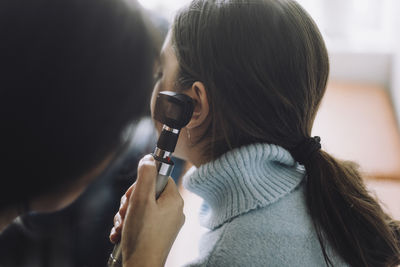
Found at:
<point>306,149</point>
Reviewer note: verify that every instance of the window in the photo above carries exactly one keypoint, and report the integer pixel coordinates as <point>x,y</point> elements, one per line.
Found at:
<point>355,25</point>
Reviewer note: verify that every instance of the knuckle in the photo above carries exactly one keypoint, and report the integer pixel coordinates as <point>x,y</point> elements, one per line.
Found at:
<point>133,187</point>
<point>176,208</point>
<point>171,181</point>
<point>141,200</point>
<point>146,166</point>
<point>112,233</point>
<point>116,218</point>
<point>148,159</point>
<point>183,219</point>
<point>123,199</point>
<point>179,203</point>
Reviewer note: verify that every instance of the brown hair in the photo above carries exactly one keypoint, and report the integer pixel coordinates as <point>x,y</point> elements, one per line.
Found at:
<point>265,67</point>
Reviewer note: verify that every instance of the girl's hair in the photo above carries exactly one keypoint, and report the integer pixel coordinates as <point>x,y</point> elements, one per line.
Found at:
<point>265,67</point>
<point>73,75</point>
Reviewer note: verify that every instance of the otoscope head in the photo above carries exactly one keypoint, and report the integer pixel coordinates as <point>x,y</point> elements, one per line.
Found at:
<point>173,109</point>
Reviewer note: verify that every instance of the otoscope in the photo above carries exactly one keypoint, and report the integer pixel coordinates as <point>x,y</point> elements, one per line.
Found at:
<point>174,111</point>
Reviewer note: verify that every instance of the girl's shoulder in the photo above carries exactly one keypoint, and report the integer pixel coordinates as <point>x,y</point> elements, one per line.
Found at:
<point>281,234</point>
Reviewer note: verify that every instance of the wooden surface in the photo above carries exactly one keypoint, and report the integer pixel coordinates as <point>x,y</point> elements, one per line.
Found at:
<point>357,122</point>
<point>388,193</point>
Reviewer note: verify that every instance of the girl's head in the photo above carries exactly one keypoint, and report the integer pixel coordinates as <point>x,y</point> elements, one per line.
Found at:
<point>257,70</point>
<point>262,66</point>
<point>73,75</point>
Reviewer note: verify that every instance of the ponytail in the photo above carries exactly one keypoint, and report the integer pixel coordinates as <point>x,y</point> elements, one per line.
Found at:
<point>347,216</point>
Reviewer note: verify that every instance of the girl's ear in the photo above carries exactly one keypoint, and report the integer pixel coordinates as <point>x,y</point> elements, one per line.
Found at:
<point>201,107</point>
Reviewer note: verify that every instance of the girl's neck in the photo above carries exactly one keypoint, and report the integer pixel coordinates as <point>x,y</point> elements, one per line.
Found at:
<point>197,159</point>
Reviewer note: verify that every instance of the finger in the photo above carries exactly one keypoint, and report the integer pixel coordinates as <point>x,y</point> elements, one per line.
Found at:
<point>123,207</point>
<point>170,189</point>
<point>114,236</point>
<point>118,228</point>
<point>124,201</point>
<point>169,194</point>
<point>129,191</point>
<point>146,179</point>
<point>117,220</point>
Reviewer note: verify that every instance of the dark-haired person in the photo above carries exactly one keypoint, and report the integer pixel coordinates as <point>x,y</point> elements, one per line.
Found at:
<point>257,70</point>
<point>73,75</point>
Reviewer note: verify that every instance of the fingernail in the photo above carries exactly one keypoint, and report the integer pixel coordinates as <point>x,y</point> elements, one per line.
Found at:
<point>148,157</point>
<point>117,223</point>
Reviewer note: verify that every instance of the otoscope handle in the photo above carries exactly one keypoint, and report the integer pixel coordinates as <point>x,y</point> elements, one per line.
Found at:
<point>115,259</point>
<point>164,169</point>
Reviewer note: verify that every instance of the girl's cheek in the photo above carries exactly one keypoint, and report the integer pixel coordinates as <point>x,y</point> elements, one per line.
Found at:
<point>153,97</point>
<point>156,90</point>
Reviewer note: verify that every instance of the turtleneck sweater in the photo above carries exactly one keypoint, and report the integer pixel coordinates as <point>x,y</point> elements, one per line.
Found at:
<point>255,211</point>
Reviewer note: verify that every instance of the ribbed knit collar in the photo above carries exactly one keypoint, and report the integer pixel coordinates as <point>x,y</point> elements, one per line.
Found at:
<point>241,180</point>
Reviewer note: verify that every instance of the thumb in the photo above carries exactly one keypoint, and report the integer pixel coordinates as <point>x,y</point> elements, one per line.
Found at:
<point>170,192</point>
<point>146,179</point>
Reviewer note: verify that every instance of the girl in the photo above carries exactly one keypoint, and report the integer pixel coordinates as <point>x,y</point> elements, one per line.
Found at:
<point>257,71</point>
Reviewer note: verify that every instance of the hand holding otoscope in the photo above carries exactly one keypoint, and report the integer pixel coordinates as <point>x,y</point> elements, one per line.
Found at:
<point>174,111</point>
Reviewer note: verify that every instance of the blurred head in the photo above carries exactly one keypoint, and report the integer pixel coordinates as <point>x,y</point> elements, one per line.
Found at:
<point>73,75</point>
<point>257,70</point>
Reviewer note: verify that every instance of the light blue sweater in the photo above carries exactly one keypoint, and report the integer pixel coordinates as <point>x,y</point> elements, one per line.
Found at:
<point>254,207</point>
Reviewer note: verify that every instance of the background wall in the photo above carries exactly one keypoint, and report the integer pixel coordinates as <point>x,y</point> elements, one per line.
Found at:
<point>373,67</point>
<point>395,88</point>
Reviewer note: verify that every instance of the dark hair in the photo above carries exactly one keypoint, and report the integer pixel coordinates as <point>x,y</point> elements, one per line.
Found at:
<point>73,75</point>
<point>265,67</point>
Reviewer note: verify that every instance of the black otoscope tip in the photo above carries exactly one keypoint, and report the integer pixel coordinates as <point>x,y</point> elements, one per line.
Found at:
<point>173,109</point>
